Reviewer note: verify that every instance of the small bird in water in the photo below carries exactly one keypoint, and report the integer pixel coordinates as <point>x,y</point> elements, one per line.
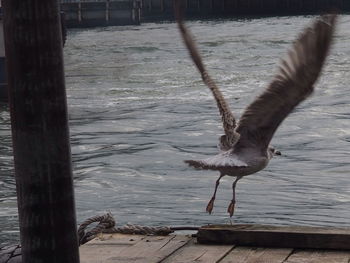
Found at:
<point>245,149</point>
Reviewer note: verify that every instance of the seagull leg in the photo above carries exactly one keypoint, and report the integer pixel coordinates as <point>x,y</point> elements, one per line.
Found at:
<point>210,205</point>
<point>231,207</point>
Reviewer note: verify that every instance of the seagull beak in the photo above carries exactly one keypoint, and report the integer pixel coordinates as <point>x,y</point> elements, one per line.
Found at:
<point>278,153</point>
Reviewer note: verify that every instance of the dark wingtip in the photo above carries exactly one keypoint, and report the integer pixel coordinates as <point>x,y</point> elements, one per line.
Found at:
<point>330,18</point>
<point>193,163</point>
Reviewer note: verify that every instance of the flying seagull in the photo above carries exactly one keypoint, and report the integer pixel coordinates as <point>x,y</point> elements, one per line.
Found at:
<point>245,149</point>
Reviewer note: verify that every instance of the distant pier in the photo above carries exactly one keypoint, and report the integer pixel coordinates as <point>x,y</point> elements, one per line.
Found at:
<point>163,9</point>
<point>101,13</point>
<point>132,12</point>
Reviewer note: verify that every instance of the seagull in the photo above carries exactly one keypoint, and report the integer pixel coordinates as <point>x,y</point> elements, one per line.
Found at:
<point>244,148</point>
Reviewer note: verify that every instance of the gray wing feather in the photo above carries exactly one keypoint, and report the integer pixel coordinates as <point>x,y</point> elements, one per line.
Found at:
<point>223,160</point>
<point>292,84</point>
<point>229,122</point>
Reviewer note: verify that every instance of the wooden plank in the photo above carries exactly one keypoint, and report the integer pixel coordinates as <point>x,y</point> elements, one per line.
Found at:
<point>106,246</point>
<point>115,239</point>
<point>318,256</point>
<point>111,248</point>
<point>276,236</point>
<point>194,252</point>
<point>98,253</point>
<point>257,255</point>
<point>150,249</point>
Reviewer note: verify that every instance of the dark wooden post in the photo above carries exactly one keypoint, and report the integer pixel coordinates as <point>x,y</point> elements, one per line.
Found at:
<point>79,13</point>
<point>33,44</point>
<point>162,6</point>
<point>107,12</point>
<point>3,88</point>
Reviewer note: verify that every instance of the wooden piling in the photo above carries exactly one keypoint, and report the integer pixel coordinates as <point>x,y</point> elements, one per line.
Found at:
<point>79,13</point>
<point>33,44</point>
<point>136,12</point>
<point>107,11</point>
<point>3,89</point>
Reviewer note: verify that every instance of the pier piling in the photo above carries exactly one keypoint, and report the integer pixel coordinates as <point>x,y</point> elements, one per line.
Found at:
<point>33,44</point>
<point>3,91</point>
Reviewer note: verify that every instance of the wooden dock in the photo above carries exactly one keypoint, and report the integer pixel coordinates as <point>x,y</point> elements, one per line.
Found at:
<point>113,248</point>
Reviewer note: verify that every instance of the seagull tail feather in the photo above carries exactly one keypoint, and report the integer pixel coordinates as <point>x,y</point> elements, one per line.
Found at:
<point>195,164</point>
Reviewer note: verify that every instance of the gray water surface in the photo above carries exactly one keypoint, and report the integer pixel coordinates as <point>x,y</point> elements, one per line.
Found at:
<point>138,108</point>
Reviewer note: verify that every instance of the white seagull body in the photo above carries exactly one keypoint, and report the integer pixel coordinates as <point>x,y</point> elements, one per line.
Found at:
<point>245,146</point>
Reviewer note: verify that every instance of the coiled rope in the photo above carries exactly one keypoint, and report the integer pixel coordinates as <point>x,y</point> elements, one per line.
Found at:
<point>106,224</point>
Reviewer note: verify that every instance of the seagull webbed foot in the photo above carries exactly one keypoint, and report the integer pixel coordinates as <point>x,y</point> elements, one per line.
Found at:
<point>210,205</point>
<point>231,208</point>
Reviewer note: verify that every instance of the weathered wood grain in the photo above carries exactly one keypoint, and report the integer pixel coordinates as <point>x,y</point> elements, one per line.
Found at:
<point>150,249</point>
<point>115,239</point>
<point>318,256</point>
<point>40,132</point>
<point>113,248</point>
<point>194,252</point>
<point>276,236</point>
<point>106,246</point>
<point>257,255</point>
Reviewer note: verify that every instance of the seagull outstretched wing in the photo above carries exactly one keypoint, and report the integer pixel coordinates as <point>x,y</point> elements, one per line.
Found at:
<point>229,123</point>
<point>293,83</point>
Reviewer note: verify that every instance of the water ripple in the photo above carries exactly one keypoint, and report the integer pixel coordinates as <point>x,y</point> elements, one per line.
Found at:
<point>138,108</point>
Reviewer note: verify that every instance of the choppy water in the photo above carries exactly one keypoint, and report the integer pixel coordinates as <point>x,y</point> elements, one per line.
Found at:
<point>137,108</point>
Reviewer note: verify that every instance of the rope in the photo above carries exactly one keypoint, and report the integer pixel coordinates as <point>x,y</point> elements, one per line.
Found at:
<point>140,230</point>
<point>105,221</point>
<point>107,225</point>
